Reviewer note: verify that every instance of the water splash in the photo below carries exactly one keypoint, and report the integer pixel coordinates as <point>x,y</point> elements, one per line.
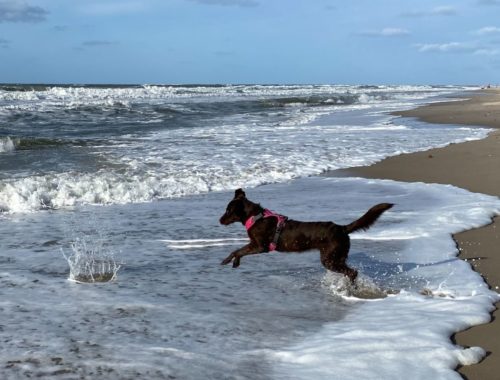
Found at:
<point>91,262</point>
<point>7,144</point>
<point>363,287</point>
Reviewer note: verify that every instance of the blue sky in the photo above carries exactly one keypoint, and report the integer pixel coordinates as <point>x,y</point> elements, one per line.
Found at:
<point>250,41</point>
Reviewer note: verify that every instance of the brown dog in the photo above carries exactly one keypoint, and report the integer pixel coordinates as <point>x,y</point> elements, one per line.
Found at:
<point>269,231</point>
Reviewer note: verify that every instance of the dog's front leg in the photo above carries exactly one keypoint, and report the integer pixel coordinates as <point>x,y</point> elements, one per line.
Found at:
<point>249,249</point>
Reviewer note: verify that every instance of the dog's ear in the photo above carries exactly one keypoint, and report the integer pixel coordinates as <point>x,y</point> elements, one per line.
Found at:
<point>239,193</point>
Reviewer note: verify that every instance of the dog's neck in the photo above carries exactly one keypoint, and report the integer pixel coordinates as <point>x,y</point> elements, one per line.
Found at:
<point>251,209</point>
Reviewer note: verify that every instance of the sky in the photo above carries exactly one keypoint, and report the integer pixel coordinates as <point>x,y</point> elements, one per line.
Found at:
<point>250,41</point>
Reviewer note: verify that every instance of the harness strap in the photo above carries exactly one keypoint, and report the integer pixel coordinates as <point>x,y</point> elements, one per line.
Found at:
<point>280,224</point>
<point>279,227</point>
<point>251,221</point>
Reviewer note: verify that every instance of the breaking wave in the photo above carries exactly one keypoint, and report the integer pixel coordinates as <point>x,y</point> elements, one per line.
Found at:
<point>56,191</point>
<point>9,144</point>
<point>133,144</point>
<point>176,165</point>
<point>74,97</point>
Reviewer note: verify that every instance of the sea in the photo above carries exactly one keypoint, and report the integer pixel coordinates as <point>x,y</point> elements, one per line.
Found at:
<point>110,245</point>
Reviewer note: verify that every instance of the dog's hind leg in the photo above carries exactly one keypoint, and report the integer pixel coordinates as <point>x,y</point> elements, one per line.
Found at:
<point>235,256</point>
<point>334,258</point>
<point>329,262</point>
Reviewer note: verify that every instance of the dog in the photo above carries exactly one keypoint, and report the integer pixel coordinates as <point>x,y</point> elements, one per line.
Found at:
<point>269,231</point>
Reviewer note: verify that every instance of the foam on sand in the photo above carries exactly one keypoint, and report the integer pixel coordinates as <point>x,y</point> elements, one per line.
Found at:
<point>423,292</point>
<point>179,313</point>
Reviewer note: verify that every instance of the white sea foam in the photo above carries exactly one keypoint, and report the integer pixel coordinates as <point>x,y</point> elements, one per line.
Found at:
<point>202,243</point>
<point>387,340</point>
<point>407,331</point>
<point>174,311</point>
<point>311,134</point>
<point>208,241</point>
<point>7,144</point>
<point>179,313</point>
<point>185,162</point>
<point>75,97</point>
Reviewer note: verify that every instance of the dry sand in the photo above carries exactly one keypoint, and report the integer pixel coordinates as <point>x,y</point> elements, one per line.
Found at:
<point>474,166</point>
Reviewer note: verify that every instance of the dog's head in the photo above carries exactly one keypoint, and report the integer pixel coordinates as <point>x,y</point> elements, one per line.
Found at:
<point>236,209</point>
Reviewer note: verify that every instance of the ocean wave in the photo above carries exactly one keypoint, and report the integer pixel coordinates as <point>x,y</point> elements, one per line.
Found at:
<point>120,109</point>
<point>326,100</point>
<point>62,190</point>
<point>144,143</point>
<point>23,87</point>
<point>180,163</point>
<point>76,96</point>
<point>9,144</point>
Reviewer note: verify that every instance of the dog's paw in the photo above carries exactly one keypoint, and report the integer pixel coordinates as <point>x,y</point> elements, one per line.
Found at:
<point>236,262</point>
<point>353,274</point>
<point>227,260</point>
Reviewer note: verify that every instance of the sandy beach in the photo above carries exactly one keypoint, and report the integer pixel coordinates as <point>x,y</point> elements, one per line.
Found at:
<point>473,166</point>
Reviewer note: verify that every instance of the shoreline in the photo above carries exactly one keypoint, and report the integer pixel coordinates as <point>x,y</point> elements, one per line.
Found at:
<point>470,165</point>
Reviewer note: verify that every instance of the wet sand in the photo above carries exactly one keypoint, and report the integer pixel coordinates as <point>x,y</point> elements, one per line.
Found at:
<point>473,166</point>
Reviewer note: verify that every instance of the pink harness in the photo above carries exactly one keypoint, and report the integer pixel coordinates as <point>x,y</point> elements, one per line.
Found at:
<point>281,220</point>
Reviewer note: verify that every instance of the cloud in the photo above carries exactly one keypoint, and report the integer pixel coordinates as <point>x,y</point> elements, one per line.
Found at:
<point>229,3</point>
<point>4,43</point>
<point>475,48</point>
<point>486,52</point>
<point>19,11</point>
<point>449,47</point>
<point>386,32</point>
<point>487,30</point>
<point>444,10</point>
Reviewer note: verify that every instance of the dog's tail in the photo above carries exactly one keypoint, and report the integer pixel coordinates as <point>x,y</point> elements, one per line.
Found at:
<point>368,219</point>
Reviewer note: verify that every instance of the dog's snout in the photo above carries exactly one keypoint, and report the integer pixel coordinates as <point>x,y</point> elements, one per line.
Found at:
<point>223,219</point>
<point>227,218</point>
